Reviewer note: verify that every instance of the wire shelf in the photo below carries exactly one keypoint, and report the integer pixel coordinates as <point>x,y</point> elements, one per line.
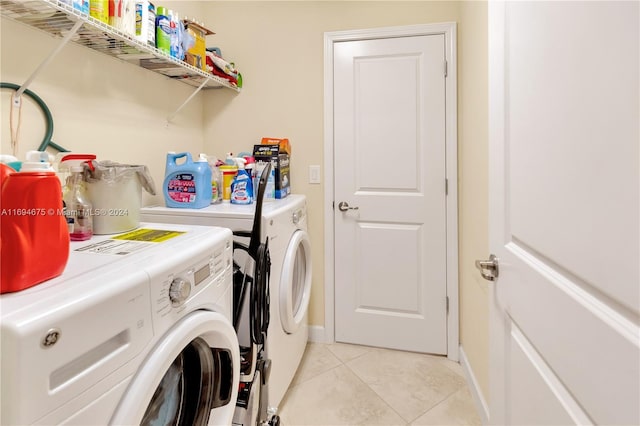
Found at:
<point>58,19</point>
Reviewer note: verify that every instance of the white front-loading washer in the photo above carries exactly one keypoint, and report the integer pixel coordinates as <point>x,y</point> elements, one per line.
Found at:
<point>284,223</point>
<point>136,330</point>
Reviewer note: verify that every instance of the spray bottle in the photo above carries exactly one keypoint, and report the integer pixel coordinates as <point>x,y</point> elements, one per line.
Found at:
<point>242,186</point>
<point>77,208</point>
<point>250,166</point>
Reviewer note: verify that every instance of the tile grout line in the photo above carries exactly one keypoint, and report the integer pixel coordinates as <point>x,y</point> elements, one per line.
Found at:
<point>407,422</point>
<point>359,379</point>
<point>435,405</point>
<point>320,373</point>
<point>349,360</point>
<point>376,393</point>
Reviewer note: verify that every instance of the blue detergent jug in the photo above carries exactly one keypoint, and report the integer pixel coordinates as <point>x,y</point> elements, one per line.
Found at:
<point>187,185</point>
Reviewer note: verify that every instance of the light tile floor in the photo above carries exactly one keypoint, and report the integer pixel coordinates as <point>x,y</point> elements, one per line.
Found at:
<point>340,384</point>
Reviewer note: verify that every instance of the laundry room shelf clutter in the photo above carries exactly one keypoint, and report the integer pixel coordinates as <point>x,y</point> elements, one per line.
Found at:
<point>59,19</point>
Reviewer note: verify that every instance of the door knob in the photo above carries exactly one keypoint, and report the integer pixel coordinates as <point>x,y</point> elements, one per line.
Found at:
<point>489,268</point>
<point>344,206</point>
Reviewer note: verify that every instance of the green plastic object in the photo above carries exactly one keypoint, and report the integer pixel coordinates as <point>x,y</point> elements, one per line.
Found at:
<point>163,30</point>
<point>46,142</point>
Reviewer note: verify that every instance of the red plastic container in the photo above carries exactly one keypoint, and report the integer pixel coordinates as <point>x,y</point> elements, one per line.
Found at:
<point>5,171</point>
<point>33,232</point>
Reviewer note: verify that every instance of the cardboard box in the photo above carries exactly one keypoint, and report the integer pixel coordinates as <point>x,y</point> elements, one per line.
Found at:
<point>279,161</point>
<point>284,144</point>
<point>196,55</point>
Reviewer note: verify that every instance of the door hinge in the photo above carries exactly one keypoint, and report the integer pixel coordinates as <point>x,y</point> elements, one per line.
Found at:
<point>446,187</point>
<point>447,302</point>
<point>446,69</point>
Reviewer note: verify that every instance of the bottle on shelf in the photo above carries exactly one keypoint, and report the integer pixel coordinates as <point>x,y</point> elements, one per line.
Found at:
<point>163,30</point>
<point>99,9</point>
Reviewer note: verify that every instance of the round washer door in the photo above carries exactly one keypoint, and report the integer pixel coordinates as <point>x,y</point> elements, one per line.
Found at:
<point>295,282</point>
<point>190,377</point>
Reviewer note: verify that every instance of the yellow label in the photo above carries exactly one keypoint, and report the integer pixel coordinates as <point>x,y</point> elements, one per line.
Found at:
<point>149,235</point>
<point>99,9</point>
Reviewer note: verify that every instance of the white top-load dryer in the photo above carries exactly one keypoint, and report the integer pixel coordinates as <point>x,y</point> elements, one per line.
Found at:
<point>137,330</point>
<point>284,222</point>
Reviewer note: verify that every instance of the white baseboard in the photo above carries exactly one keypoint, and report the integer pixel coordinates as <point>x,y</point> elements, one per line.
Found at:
<point>476,392</point>
<point>317,334</point>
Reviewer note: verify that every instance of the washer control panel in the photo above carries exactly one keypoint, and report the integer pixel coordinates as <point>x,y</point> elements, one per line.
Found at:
<point>175,292</point>
<point>179,291</point>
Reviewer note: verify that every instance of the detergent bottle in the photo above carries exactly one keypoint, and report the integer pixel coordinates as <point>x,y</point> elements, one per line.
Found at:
<point>187,185</point>
<point>242,186</point>
<point>35,241</point>
<point>37,161</point>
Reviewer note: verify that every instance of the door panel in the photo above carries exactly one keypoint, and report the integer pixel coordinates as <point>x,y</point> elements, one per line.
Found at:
<point>390,253</point>
<point>383,128</point>
<point>574,111</point>
<point>564,187</point>
<point>552,403</point>
<point>379,244</point>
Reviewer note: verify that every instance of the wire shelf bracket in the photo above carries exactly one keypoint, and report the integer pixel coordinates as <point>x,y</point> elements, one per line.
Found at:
<point>170,117</point>
<point>17,97</point>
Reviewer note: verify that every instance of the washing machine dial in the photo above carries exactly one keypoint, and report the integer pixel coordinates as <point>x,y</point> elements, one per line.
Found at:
<point>179,291</point>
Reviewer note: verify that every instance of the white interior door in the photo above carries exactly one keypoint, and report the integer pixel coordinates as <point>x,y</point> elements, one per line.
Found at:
<point>564,208</point>
<point>389,166</point>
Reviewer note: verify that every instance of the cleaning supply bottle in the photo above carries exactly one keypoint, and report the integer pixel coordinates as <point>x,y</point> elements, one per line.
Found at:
<point>175,36</point>
<point>142,21</point>
<point>228,174</point>
<point>270,189</point>
<point>77,208</point>
<point>11,161</point>
<point>163,30</point>
<point>187,185</point>
<point>35,243</point>
<point>145,22</point>
<point>63,161</point>
<point>99,9</point>
<point>81,5</point>
<point>242,186</point>
<point>250,166</point>
<point>37,161</point>
<point>172,33</point>
<point>216,179</point>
